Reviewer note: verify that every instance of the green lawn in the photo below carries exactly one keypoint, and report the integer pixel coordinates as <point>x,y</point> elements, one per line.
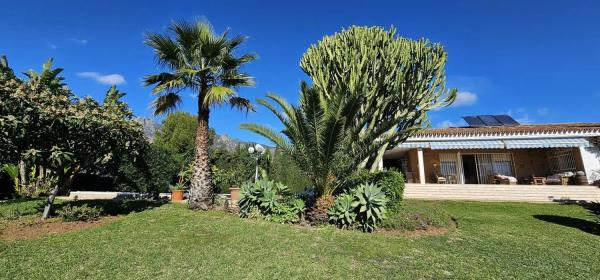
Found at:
<point>493,240</point>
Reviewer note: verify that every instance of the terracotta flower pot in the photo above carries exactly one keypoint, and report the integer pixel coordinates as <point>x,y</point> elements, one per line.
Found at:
<point>235,194</point>
<point>177,195</point>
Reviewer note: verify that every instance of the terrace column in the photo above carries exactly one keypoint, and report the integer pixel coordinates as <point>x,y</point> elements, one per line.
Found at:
<point>590,157</point>
<point>421,166</point>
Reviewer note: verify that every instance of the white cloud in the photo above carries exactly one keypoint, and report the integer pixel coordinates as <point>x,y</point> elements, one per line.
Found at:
<point>52,46</point>
<point>525,119</point>
<point>465,98</point>
<point>543,111</point>
<point>447,123</point>
<point>111,79</point>
<point>79,41</point>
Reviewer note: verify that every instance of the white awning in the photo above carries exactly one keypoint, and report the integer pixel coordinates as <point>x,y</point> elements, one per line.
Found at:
<point>498,144</point>
<point>413,145</point>
<point>467,144</point>
<point>546,143</point>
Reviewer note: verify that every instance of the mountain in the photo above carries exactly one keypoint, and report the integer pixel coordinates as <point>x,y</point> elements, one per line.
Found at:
<point>228,142</point>
<point>150,127</point>
<point>221,140</point>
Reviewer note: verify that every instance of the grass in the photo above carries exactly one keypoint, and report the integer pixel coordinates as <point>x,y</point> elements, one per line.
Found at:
<point>419,215</point>
<point>493,240</point>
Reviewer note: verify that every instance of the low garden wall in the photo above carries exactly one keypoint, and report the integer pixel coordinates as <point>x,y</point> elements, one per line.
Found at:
<point>88,195</point>
<point>524,193</point>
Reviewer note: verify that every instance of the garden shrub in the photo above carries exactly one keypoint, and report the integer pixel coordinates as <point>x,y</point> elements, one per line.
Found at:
<point>84,212</point>
<point>364,207</point>
<point>390,181</point>
<point>271,201</point>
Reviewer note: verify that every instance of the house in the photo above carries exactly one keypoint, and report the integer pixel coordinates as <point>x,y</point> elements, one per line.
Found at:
<point>496,149</point>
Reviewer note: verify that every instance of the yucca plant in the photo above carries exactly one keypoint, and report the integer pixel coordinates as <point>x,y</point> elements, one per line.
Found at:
<point>370,201</point>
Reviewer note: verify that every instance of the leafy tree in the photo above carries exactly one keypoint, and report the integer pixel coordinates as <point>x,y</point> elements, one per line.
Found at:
<point>371,90</point>
<point>50,127</point>
<point>402,78</point>
<point>48,76</point>
<point>285,170</point>
<point>177,136</point>
<point>199,60</point>
<point>233,167</point>
<point>153,170</point>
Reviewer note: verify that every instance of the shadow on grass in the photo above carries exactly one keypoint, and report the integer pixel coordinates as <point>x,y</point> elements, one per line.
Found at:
<point>581,224</point>
<point>115,207</point>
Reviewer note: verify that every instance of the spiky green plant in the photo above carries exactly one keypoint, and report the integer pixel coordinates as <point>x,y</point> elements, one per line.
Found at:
<point>324,135</point>
<point>370,201</point>
<point>199,60</point>
<point>342,213</point>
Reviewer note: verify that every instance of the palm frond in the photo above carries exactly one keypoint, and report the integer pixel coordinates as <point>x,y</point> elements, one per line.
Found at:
<point>166,103</point>
<point>217,95</point>
<point>241,103</point>
<point>166,50</point>
<point>236,80</point>
<point>268,133</point>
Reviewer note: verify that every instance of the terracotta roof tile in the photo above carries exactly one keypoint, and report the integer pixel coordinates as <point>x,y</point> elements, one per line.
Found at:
<point>519,129</point>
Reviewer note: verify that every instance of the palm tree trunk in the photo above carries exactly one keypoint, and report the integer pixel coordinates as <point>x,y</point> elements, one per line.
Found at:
<point>201,188</point>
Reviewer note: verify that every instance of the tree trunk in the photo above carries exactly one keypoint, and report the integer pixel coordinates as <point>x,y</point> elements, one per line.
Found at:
<point>23,175</point>
<point>201,188</point>
<point>66,181</point>
<point>49,202</point>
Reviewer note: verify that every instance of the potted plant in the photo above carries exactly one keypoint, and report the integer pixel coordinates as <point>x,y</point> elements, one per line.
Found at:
<point>177,192</point>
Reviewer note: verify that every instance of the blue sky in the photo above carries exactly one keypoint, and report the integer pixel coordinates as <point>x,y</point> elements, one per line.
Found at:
<point>536,60</point>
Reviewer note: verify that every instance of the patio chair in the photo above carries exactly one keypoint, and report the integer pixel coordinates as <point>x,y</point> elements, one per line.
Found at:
<point>451,179</point>
<point>439,178</point>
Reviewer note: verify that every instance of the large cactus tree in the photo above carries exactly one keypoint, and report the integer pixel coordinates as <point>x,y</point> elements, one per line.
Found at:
<point>402,78</point>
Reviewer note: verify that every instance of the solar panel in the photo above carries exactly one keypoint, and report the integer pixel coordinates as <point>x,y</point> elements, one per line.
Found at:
<point>473,121</point>
<point>507,120</point>
<point>490,120</point>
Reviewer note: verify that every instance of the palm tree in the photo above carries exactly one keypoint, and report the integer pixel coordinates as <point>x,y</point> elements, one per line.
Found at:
<point>326,137</point>
<point>197,59</point>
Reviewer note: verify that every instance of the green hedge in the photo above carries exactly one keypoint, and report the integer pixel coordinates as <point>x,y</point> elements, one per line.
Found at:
<point>390,181</point>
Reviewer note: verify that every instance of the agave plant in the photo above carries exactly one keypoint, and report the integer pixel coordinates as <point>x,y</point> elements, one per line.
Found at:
<point>370,201</point>
<point>342,213</point>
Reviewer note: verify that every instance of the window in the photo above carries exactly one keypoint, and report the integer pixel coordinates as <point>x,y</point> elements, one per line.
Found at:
<point>448,164</point>
<point>561,160</point>
<point>493,164</point>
